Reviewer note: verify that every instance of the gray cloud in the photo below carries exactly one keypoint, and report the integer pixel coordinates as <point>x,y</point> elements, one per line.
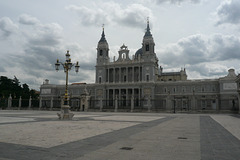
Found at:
<point>40,50</point>
<point>177,1</point>
<point>224,47</point>
<point>42,46</point>
<point>197,49</point>
<point>28,20</point>
<point>228,12</point>
<point>2,69</point>
<point>133,15</point>
<point>7,27</point>
<point>208,70</point>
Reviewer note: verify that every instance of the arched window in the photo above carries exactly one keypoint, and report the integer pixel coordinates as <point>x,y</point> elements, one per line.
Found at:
<point>124,56</point>
<point>101,52</point>
<point>100,80</point>
<point>147,47</point>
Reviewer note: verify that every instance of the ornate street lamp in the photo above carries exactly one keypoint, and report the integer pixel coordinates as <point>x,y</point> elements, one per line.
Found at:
<point>65,114</point>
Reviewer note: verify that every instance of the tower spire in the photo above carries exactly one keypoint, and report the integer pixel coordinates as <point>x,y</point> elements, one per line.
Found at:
<point>148,32</point>
<point>103,39</point>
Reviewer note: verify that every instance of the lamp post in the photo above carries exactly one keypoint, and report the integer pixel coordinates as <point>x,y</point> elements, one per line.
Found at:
<point>238,100</point>
<point>65,114</point>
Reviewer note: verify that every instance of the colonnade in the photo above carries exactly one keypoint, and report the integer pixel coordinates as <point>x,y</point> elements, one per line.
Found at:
<point>124,95</point>
<point>124,74</point>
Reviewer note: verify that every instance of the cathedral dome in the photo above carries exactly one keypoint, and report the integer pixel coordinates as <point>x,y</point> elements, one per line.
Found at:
<point>139,53</point>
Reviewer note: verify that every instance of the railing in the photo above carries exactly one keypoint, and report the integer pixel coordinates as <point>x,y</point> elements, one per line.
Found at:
<point>138,105</point>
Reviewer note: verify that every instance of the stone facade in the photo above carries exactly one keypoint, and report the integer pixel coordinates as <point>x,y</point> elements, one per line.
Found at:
<point>138,82</point>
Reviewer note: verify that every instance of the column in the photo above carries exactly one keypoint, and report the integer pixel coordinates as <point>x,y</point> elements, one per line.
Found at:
<point>119,94</point>
<point>116,104</point>
<point>149,103</point>
<point>108,75</point>
<point>30,103</point>
<point>126,74</point>
<point>182,103</point>
<point>168,102</point>
<point>40,103</point>
<point>101,104</point>
<point>107,97</point>
<point>217,104</point>
<point>113,93</point>
<point>20,103</point>
<point>51,104</point>
<point>193,102</point>
<point>139,96</point>
<point>138,73</point>
<point>120,75</point>
<point>132,103</point>
<point>132,74</point>
<point>114,78</point>
<point>10,102</point>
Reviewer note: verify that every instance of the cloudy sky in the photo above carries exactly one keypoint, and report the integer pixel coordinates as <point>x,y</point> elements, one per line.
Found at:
<point>201,35</point>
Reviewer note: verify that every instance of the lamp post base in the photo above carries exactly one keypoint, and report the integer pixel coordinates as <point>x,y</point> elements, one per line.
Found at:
<point>65,114</point>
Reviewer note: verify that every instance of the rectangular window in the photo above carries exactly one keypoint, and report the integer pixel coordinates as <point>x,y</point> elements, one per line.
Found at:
<point>147,78</point>
<point>165,90</point>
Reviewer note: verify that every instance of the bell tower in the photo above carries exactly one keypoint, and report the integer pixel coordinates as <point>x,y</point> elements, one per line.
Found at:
<point>102,59</point>
<point>148,42</point>
<point>150,65</point>
<point>102,50</point>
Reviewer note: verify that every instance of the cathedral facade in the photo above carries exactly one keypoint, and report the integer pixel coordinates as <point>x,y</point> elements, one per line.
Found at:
<point>137,83</point>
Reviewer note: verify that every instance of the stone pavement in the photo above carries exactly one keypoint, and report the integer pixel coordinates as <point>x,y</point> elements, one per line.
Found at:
<point>116,136</point>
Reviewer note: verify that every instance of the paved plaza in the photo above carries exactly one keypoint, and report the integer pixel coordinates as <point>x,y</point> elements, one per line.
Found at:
<point>119,136</point>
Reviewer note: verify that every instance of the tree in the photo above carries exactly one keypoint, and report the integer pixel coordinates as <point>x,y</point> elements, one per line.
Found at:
<point>25,91</point>
<point>5,83</point>
<point>13,87</point>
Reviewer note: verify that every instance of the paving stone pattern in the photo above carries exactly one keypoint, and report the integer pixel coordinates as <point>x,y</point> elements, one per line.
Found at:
<point>116,136</point>
<point>216,142</point>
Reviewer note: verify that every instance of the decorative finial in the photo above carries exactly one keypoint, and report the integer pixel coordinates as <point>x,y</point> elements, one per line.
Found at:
<point>148,32</point>
<point>103,26</point>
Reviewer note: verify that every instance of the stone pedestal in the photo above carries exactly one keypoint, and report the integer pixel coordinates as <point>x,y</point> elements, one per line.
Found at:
<point>116,105</point>
<point>85,97</point>
<point>9,102</point>
<point>101,104</point>
<point>193,103</point>
<point>168,103</point>
<point>65,114</point>
<point>149,105</point>
<point>30,103</point>
<point>20,103</point>
<point>132,104</point>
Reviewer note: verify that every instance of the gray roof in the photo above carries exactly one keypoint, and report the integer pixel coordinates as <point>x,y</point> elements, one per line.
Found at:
<point>170,73</point>
<point>148,32</point>
<point>103,39</point>
<point>139,52</point>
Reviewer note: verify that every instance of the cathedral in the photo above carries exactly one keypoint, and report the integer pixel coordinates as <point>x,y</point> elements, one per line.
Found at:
<point>138,83</point>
